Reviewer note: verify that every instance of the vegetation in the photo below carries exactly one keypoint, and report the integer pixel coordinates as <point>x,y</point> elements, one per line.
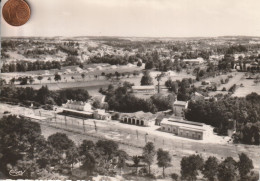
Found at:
<point>121,99</point>
<point>22,147</point>
<point>183,88</point>
<point>220,113</point>
<point>42,96</point>
<point>146,79</point>
<point>163,159</point>
<point>190,166</point>
<point>114,59</point>
<point>23,66</point>
<point>149,154</point>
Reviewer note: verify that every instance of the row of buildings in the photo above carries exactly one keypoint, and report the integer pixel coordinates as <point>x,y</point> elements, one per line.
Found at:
<point>172,122</point>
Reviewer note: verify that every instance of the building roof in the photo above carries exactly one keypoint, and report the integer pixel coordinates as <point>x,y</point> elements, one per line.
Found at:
<point>183,124</point>
<point>142,87</point>
<point>140,114</point>
<point>102,112</point>
<point>180,103</point>
<point>76,111</point>
<point>76,102</point>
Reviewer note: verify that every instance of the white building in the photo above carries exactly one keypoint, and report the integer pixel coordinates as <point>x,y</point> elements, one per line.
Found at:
<point>78,105</point>
<point>179,107</point>
<point>149,89</point>
<point>183,128</point>
<point>101,114</point>
<point>194,61</point>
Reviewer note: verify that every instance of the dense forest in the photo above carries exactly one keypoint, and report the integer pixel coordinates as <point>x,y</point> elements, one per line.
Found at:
<point>245,111</point>
<point>121,99</point>
<point>43,96</point>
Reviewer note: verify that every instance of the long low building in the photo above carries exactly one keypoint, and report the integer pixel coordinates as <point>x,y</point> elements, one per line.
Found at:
<point>183,128</point>
<point>148,89</point>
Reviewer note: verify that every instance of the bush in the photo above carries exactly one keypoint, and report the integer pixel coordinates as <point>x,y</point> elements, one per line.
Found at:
<point>174,176</point>
<point>232,88</point>
<point>224,89</point>
<point>115,116</point>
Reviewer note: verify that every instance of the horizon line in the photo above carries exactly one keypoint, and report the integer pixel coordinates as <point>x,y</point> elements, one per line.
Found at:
<point>115,36</point>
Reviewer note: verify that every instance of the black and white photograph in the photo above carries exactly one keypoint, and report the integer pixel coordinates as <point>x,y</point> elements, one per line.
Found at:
<point>130,90</point>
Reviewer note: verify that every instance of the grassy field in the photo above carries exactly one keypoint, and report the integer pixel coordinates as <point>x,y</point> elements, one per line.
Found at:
<point>248,87</point>
<point>244,86</point>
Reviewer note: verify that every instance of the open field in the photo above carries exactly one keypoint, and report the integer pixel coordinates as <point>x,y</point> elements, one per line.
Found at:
<point>132,138</point>
<point>244,86</point>
<point>248,87</point>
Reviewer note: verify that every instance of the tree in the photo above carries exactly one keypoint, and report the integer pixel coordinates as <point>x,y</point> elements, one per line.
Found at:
<point>83,76</point>
<point>89,163</point>
<point>172,86</point>
<point>163,159</point>
<point>72,155</point>
<point>49,78</point>
<point>23,80</point>
<point>148,154</point>
<point>117,74</point>
<point>43,95</point>
<point>31,80</point>
<point>12,81</point>
<point>122,157</point>
<point>210,168</point>
<point>149,65</point>
<point>60,142</point>
<point>227,169</point>
<point>146,79</point>
<point>244,165</point>
<point>57,77</point>
<point>159,78</point>
<point>40,79</point>
<point>20,144</point>
<point>108,147</point>
<point>190,166</point>
<point>136,161</point>
<point>174,176</point>
<point>139,64</point>
<point>163,103</point>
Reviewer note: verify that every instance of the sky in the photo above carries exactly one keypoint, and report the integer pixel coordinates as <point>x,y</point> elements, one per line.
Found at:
<point>139,18</point>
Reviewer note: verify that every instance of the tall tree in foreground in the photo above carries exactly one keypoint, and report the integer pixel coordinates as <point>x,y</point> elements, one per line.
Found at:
<point>148,154</point>
<point>227,169</point>
<point>244,165</point>
<point>210,168</point>
<point>163,159</point>
<point>20,145</point>
<point>190,166</point>
<point>122,157</point>
<point>136,161</point>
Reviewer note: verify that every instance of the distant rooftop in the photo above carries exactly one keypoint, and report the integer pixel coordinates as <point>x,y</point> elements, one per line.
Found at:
<point>180,103</point>
<point>143,87</point>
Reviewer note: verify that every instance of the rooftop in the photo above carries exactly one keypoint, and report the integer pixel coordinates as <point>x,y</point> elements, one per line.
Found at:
<point>180,103</point>
<point>140,114</point>
<point>183,124</point>
<point>143,87</point>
